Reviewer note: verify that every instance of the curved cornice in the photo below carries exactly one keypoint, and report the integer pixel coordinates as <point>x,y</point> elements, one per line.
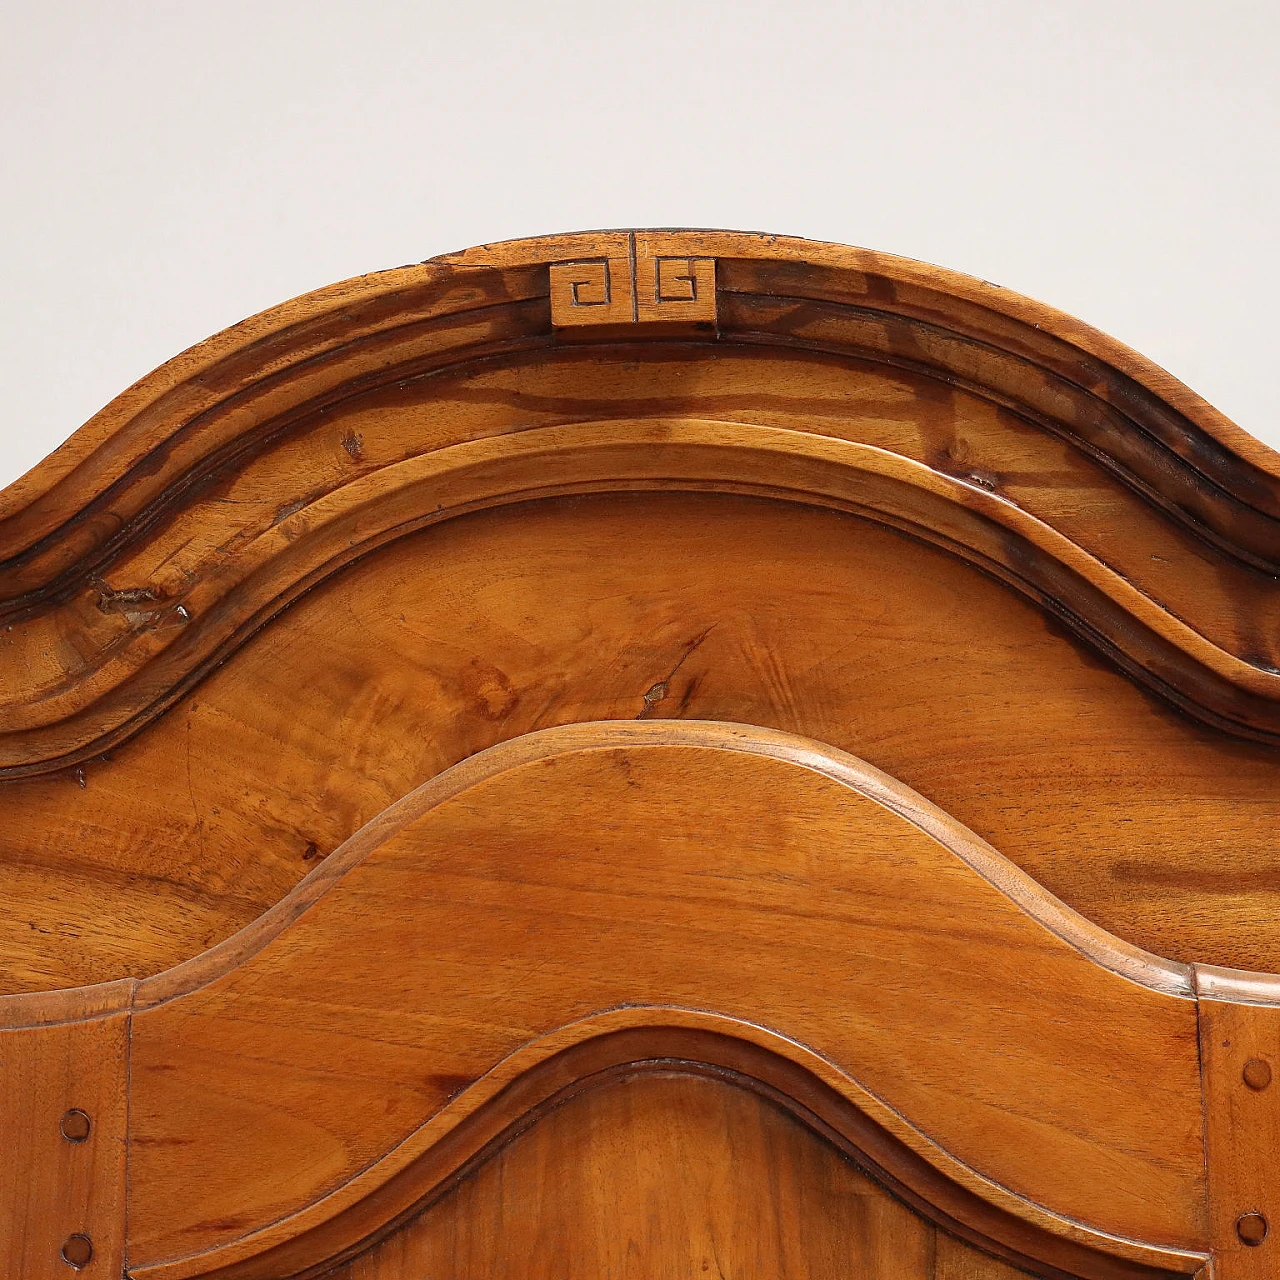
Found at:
<point>70,529</point>
<point>52,727</point>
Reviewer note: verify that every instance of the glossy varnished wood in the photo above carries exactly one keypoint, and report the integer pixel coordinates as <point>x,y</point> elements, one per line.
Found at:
<point>466,634</point>
<point>704,867</point>
<point>64,1120</point>
<point>149,569</point>
<point>1240,1043</point>
<point>394,982</point>
<point>674,1175</point>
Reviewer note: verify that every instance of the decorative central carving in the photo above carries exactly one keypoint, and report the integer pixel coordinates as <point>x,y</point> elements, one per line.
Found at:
<point>636,288</point>
<point>676,289</point>
<point>597,291</point>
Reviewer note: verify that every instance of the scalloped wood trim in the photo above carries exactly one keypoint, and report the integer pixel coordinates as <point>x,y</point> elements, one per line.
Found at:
<point>1091,941</point>
<point>146,670</point>
<point>953,901</point>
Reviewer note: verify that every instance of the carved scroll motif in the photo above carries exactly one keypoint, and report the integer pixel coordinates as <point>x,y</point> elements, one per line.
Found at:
<point>634,289</point>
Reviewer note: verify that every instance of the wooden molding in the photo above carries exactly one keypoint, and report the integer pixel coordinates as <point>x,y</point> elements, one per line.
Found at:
<point>122,581</point>
<point>1010,1093</point>
<point>578,1057</point>
<point>973,1052</point>
<point>1019,1077</point>
<point>1096,944</point>
<point>164,649</point>
<point>282,631</point>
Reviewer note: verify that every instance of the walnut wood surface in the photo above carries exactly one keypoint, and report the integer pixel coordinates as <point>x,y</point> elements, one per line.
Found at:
<point>53,1189</point>
<point>494,624</point>
<point>703,1179</point>
<point>198,701</point>
<point>279,630</point>
<point>1240,1044</point>
<point>706,867</point>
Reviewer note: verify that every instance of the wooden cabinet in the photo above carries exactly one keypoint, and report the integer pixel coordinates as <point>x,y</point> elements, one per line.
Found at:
<point>643,754</point>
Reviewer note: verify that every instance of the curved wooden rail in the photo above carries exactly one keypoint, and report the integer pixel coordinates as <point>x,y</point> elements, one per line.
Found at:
<point>1099,946</point>
<point>652,896</point>
<point>491,919</point>
<point>137,556</point>
<point>46,728</point>
<point>210,398</point>
<point>584,1055</point>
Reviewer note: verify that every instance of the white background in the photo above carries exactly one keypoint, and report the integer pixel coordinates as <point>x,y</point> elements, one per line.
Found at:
<point>168,168</point>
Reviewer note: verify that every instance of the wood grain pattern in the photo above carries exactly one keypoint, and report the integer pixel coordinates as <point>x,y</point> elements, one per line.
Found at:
<point>52,1189</point>
<point>406,863</point>
<point>499,623</point>
<point>1240,1043</point>
<point>634,1043</point>
<point>151,623</point>
<point>954,1260</point>
<point>150,645</point>
<point>660,1175</point>
<point>147,573</point>
<point>851,918</point>
<point>305,546</point>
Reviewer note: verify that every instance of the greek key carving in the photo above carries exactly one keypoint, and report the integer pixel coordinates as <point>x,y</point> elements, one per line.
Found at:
<point>597,291</point>
<point>676,289</point>
<point>636,289</point>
